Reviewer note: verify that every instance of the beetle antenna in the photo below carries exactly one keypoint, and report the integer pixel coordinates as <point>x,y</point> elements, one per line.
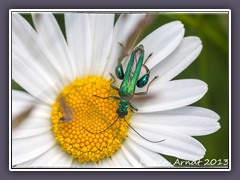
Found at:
<point>102,130</point>
<point>141,135</point>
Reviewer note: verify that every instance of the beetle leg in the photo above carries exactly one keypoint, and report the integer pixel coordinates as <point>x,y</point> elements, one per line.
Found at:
<point>132,107</point>
<point>147,58</point>
<point>113,80</point>
<point>144,93</point>
<point>146,68</point>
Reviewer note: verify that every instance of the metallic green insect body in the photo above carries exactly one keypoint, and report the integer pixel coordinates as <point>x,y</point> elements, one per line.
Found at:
<point>130,79</point>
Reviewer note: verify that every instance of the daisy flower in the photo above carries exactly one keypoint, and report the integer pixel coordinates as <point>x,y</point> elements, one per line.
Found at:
<point>64,76</point>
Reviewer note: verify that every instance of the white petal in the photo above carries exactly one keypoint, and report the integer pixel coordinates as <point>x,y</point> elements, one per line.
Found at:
<point>174,144</point>
<point>90,165</point>
<point>53,158</point>
<point>102,32</point>
<point>31,78</point>
<point>78,32</point>
<point>146,157</point>
<point>49,31</point>
<point>32,65</point>
<point>115,162</point>
<point>180,59</point>
<point>25,149</point>
<point>21,101</point>
<point>76,164</point>
<point>26,39</point>
<point>171,95</point>
<point>193,121</point>
<point>162,42</point>
<point>125,25</point>
<point>121,161</point>
<point>129,154</point>
<point>22,96</point>
<point>123,28</point>
<point>26,164</point>
<point>37,122</point>
<point>106,163</point>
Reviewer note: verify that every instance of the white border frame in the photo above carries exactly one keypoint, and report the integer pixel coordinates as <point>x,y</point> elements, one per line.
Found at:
<point>189,11</point>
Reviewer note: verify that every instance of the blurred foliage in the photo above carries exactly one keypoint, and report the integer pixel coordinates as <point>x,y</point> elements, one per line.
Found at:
<point>211,66</point>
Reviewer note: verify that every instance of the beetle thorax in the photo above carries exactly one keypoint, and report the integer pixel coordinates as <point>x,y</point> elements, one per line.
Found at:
<point>122,110</point>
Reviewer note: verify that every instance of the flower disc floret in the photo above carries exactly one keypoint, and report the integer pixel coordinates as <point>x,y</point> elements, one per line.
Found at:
<point>90,114</point>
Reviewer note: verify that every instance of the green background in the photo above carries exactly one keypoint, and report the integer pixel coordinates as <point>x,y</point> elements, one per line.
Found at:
<point>212,66</point>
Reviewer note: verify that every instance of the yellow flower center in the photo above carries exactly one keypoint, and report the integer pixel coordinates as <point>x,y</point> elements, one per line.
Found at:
<point>80,117</point>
